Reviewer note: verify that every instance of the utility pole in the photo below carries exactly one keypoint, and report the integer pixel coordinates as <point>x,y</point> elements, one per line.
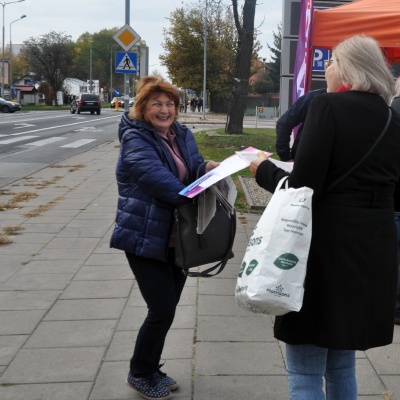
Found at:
<point>205,65</point>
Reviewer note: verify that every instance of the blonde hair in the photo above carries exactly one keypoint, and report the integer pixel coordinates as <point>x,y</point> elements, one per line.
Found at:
<point>360,64</point>
<point>145,88</point>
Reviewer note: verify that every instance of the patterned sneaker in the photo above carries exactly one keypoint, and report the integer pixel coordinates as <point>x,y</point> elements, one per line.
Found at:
<point>166,380</point>
<point>149,388</point>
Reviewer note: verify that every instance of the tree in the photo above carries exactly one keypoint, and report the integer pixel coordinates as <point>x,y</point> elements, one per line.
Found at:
<point>50,57</point>
<point>244,55</point>
<point>19,66</point>
<point>264,84</point>
<point>103,48</point>
<point>275,64</point>
<point>184,46</point>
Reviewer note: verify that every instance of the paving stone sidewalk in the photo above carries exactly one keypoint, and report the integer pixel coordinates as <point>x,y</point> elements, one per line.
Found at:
<point>70,308</point>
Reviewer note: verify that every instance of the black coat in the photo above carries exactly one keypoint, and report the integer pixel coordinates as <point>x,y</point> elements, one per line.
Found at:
<point>396,107</point>
<point>350,286</point>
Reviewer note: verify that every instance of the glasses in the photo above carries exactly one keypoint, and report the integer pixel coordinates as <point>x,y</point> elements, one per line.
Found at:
<point>327,63</point>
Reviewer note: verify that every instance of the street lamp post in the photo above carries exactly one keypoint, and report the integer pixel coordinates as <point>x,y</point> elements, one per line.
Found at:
<point>111,71</point>
<point>90,69</point>
<point>22,16</point>
<point>2,54</point>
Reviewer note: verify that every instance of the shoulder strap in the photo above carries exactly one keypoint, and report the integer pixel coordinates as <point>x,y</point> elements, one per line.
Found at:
<point>348,172</point>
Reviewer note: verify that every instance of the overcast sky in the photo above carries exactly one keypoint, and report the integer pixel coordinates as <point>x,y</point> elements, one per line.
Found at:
<point>147,18</point>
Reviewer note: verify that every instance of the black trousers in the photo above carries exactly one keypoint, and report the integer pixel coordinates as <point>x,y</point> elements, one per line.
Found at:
<point>161,285</point>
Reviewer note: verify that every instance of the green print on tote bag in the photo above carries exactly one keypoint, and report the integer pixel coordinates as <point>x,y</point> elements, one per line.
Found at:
<point>286,261</point>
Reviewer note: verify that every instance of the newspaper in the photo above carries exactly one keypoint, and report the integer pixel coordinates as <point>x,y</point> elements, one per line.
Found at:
<point>286,166</point>
<point>217,185</point>
<point>224,192</point>
<point>253,154</point>
<point>229,166</point>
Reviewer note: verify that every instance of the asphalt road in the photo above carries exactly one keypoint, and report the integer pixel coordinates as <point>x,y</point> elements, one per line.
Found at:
<point>30,141</point>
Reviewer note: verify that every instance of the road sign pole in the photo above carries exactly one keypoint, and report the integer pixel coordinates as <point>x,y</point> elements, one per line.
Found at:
<point>127,90</point>
<point>126,37</point>
<point>126,76</point>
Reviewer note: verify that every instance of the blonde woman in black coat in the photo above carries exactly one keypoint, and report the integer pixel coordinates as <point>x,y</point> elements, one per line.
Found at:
<point>350,287</point>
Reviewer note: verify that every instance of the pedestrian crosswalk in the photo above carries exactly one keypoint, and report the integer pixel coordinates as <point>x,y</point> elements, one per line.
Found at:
<point>78,143</point>
<point>27,140</point>
<point>16,139</point>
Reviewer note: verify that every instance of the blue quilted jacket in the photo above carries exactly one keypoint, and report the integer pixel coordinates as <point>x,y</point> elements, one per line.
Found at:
<point>148,187</point>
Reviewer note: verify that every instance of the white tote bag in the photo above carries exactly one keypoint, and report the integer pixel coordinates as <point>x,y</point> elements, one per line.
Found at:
<point>271,277</point>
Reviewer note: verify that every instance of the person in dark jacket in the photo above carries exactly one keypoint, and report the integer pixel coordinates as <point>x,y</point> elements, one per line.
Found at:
<point>158,158</point>
<point>351,280</point>
<point>395,105</point>
<point>294,116</point>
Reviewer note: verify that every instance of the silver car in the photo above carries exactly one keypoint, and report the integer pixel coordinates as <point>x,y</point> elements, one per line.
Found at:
<point>9,106</point>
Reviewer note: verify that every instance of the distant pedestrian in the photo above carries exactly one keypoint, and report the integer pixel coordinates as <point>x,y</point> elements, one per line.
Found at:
<point>200,104</point>
<point>193,104</point>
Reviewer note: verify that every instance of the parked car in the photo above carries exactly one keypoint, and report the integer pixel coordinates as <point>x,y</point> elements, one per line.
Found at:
<point>9,106</point>
<point>86,102</point>
<point>131,101</point>
<point>120,102</point>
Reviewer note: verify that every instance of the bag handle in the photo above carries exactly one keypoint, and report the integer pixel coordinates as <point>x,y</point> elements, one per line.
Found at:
<point>347,173</point>
<point>221,264</point>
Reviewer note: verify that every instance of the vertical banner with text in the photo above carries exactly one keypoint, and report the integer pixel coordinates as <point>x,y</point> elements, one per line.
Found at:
<point>303,52</point>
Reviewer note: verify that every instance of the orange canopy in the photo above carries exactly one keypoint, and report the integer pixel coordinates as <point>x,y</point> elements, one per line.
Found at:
<point>379,19</point>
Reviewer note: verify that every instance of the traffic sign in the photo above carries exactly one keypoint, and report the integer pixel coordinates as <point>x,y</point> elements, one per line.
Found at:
<point>267,113</point>
<point>125,63</point>
<point>126,37</point>
<point>117,92</point>
<point>320,55</point>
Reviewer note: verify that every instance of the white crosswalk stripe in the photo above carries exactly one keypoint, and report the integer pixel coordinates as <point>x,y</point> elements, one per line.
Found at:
<point>78,143</point>
<point>18,139</point>
<point>45,141</point>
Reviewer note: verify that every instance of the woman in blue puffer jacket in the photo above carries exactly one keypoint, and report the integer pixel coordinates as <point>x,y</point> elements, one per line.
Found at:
<point>158,158</point>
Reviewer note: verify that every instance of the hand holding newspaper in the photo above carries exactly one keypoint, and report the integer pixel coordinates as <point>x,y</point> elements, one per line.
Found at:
<point>232,164</point>
<point>220,177</point>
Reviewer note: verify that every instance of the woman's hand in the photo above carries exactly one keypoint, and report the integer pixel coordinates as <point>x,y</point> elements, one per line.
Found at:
<point>255,163</point>
<point>211,165</point>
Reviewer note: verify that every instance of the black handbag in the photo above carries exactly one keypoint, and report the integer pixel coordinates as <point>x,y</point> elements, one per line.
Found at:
<point>213,245</point>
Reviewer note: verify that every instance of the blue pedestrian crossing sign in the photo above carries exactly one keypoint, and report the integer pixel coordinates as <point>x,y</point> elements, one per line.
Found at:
<point>125,63</point>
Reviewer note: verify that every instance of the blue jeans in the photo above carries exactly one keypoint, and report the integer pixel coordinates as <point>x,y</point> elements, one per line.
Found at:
<point>397,220</point>
<point>161,285</point>
<point>307,365</point>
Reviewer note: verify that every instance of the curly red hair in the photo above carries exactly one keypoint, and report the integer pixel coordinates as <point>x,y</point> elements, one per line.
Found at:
<point>147,86</point>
